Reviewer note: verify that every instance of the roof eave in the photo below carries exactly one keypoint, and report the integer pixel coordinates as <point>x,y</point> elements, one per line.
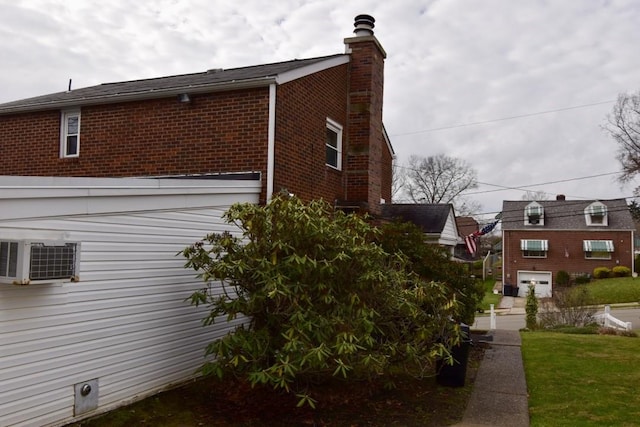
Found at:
<point>142,95</point>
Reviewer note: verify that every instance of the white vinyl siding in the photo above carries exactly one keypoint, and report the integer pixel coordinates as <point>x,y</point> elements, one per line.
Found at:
<point>126,322</point>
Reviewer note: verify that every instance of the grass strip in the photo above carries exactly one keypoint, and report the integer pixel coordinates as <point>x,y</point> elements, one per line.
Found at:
<point>582,380</point>
<point>615,290</point>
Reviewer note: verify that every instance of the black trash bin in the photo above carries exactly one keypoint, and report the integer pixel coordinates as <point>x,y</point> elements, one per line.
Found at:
<point>515,291</point>
<point>454,375</point>
<point>507,290</point>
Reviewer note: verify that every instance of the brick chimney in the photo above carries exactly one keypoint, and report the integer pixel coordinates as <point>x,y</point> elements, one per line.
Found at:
<point>365,134</point>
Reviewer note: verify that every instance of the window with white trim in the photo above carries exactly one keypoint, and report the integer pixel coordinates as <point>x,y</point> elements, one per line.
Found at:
<point>596,214</point>
<point>334,144</point>
<point>598,249</point>
<point>534,214</point>
<point>70,134</point>
<point>534,248</point>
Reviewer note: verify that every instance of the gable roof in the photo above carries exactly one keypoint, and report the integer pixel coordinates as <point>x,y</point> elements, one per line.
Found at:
<point>208,81</point>
<point>431,218</point>
<point>566,215</point>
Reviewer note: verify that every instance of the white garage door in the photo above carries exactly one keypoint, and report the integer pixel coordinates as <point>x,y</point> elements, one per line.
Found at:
<point>542,281</point>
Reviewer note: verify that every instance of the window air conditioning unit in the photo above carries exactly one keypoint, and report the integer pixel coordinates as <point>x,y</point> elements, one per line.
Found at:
<point>24,262</point>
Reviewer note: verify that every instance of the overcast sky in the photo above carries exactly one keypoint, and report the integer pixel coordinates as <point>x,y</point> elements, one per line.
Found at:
<point>518,89</point>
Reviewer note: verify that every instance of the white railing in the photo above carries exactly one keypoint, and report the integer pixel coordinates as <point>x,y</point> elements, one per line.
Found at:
<point>608,321</point>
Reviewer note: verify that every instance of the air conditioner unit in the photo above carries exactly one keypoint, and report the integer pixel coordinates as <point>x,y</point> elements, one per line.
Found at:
<point>24,262</point>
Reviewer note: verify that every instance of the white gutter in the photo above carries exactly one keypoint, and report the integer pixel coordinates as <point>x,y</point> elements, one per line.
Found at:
<point>271,141</point>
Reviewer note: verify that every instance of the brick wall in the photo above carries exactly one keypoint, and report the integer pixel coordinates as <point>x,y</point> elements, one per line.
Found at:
<point>366,172</point>
<point>221,132</point>
<point>215,133</point>
<point>561,244</point>
<point>226,132</point>
<point>303,107</point>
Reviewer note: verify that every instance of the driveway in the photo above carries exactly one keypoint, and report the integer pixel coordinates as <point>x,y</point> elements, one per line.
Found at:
<point>514,322</point>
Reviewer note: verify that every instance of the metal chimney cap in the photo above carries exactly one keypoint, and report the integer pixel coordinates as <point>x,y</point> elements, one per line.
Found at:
<point>364,25</point>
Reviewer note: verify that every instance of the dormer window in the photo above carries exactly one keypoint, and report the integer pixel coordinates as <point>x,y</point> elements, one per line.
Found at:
<point>596,214</point>
<point>534,214</point>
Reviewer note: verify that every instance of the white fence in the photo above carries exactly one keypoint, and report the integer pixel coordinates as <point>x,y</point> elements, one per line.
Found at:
<point>607,320</point>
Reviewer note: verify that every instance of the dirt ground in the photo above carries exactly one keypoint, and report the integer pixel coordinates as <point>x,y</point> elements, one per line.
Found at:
<point>209,402</point>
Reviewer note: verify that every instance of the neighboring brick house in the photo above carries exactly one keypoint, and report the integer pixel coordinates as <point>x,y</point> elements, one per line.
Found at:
<point>540,238</point>
<point>312,127</point>
<point>437,221</point>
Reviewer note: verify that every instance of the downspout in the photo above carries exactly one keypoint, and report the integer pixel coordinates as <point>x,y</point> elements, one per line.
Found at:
<point>271,143</point>
<point>634,273</point>
<point>504,258</point>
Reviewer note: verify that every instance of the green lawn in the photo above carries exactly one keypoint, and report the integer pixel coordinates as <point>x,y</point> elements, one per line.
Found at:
<point>615,290</point>
<point>489,296</point>
<point>582,380</point>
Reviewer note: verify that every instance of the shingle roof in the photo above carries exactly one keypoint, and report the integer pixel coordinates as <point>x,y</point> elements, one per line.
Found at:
<point>466,225</point>
<point>162,85</point>
<point>566,215</point>
<point>431,218</point>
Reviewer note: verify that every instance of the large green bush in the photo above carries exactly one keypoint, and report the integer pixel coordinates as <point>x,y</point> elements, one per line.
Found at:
<point>321,296</point>
<point>582,279</point>
<point>601,272</point>
<point>433,263</point>
<point>562,278</point>
<point>621,271</point>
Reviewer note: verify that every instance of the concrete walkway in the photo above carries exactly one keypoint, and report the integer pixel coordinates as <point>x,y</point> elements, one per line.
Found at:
<point>512,305</point>
<point>499,396</point>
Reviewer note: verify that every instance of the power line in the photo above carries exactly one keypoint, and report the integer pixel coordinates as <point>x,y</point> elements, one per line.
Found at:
<point>520,187</point>
<point>501,119</point>
<point>524,187</point>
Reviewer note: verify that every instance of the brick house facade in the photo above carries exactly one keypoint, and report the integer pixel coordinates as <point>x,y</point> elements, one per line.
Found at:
<point>541,238</point>
<point>271,120</point>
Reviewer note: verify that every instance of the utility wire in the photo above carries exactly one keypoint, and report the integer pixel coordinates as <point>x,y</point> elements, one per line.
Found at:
<point>525,187</point>
<point>539,113</point>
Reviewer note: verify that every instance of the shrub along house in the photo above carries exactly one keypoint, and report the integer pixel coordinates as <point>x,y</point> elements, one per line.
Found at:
<point>541,238</point>
<point>104,185</point>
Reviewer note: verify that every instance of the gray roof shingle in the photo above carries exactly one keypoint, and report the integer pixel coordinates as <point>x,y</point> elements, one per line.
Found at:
<point>110,92</point>
<point>431,218</point>
<point>566,215</point>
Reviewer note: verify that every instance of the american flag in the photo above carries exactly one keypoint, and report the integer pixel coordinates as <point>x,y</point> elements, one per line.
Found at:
<point>471,240</point>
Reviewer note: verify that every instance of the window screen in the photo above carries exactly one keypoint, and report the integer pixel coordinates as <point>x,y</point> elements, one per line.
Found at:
<point>52,262</point>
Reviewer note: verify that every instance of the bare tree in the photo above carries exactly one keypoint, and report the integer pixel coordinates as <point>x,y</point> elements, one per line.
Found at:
<point>535,195</point>
<point>624,127</point>
<point>398,184</point>
<point>441,179</point>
